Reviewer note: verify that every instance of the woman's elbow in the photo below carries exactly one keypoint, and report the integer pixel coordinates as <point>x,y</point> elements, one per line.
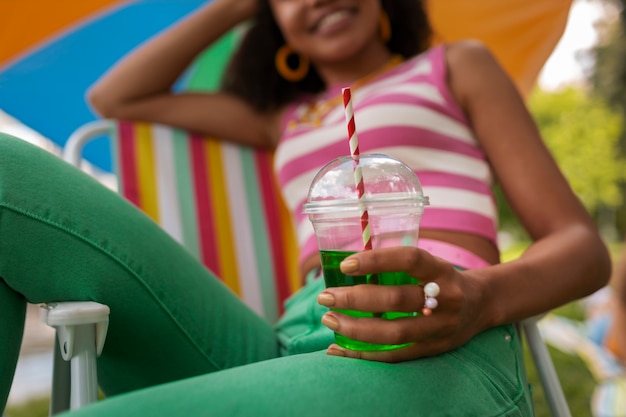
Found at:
<point>601,264</point>
<point>101,103</point>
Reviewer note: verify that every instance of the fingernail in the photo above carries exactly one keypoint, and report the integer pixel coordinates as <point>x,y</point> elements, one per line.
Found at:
<point>326,299</point>
<point>330,321</point>
<point>335,350</point>
<point>349,265</point>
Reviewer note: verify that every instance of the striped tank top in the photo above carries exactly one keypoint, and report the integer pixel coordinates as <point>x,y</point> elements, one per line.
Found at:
<point>410,114</point>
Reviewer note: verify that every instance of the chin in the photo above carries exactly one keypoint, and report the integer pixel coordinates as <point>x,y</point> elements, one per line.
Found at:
<point>339,52</point>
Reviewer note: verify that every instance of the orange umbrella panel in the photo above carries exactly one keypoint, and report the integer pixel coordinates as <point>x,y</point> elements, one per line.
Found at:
<point>52,51</point>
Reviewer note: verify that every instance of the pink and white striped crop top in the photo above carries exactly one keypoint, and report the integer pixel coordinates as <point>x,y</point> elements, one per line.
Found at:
<point>408,113</point>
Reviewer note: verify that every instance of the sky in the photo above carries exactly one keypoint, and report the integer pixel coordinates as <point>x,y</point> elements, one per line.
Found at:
<point>560,69</point>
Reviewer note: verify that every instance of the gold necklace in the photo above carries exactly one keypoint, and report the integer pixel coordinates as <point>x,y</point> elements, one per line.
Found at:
<point>316,110</point>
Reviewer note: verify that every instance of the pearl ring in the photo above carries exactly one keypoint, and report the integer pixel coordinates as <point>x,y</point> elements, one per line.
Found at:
<point>431,291</point>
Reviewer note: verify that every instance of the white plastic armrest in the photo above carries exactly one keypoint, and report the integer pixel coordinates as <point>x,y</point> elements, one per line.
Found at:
<point>66,315</point>
<point>72,151</point>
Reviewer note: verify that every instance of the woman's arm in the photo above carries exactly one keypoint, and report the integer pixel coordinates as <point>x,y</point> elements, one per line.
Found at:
<point>139,87</point>
<point>567,260</point>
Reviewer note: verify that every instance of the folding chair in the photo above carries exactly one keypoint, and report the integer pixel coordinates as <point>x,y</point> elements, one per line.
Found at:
<point>219,200</point>
<point>576,338</point>
<point>241,177</point>
<point>545,368</point>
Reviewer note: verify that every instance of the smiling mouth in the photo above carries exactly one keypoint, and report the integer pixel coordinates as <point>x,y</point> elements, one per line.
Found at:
<point>332,19</point>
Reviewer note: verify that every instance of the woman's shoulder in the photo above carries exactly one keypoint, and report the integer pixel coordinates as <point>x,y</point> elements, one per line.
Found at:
<point>454,58</point>
<point>469,51</point>
<point>471,68</point>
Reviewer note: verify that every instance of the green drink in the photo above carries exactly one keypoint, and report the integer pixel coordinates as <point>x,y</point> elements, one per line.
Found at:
<point>390,193</point>
<point>333,277</point>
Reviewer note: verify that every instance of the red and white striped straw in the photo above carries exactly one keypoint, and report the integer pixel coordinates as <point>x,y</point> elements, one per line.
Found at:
<point>358,175</point>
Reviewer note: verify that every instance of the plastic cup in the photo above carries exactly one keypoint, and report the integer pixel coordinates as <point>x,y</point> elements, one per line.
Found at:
<point>394,203</point>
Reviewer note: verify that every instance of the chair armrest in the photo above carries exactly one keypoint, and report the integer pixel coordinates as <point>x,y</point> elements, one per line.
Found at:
<point>72,151</point>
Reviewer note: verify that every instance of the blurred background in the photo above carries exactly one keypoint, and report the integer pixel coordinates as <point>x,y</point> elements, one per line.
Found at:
<point>579,104</point>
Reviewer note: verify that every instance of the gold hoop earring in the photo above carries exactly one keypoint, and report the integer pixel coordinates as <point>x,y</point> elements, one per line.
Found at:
<point>384,26</point>
<point>283,68</point>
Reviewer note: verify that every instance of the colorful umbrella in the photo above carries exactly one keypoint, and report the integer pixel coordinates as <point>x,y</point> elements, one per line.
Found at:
<point>51,51</point>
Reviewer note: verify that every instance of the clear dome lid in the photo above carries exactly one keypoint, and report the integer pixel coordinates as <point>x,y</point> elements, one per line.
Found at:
<point>387,183</point>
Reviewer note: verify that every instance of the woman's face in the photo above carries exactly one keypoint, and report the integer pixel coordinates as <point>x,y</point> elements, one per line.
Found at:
<point>328,31</point>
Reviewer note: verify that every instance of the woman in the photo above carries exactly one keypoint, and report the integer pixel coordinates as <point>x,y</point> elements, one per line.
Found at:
<point>450,112</point>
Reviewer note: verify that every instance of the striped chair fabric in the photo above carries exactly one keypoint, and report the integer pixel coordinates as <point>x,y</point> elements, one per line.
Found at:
<point>217,199</point>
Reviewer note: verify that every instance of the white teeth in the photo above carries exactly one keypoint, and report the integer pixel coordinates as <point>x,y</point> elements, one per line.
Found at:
<point>332,18</point>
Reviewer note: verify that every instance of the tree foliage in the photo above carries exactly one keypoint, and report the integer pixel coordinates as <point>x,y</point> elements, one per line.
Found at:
<point>584,126</point>
<point>608,75</point>
<point>608,78</point>
<point>583,133</point>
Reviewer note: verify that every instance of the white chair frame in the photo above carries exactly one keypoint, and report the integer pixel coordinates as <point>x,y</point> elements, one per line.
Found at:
<point>81,327</point>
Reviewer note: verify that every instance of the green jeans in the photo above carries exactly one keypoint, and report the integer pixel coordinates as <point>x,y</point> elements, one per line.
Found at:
<point>180,343</point>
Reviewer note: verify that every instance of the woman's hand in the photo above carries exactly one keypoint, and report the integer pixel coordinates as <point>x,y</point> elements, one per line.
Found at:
<point>457,318</point>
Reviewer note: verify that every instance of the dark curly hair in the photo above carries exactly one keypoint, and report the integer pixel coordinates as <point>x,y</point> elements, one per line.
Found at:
<point>251,73</point>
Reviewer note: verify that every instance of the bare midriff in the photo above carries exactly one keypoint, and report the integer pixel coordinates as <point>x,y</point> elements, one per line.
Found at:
<point>482,247</point>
